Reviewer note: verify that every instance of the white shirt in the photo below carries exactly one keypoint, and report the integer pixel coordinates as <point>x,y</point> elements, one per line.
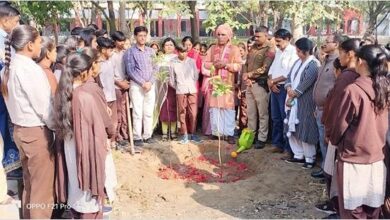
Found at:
<point>283,62</point>
<point>29,94</point>
<point>184,75</point>
<point>119,66</point>
<point>107,79</point>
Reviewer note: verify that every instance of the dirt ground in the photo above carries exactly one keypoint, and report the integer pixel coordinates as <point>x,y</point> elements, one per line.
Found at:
<point>264,187</point>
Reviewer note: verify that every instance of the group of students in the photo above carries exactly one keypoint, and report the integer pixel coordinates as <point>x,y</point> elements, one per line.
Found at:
<point>68,105</point>
<point>62,117</point>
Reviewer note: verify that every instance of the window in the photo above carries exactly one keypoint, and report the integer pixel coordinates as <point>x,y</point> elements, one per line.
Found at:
<point>184,26</point>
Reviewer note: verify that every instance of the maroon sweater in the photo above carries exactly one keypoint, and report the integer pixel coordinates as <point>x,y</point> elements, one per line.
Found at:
<point>360,132</point>
<point>332,103</point>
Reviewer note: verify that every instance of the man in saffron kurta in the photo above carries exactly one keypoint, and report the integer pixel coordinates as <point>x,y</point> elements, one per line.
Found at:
<point>226,60</point>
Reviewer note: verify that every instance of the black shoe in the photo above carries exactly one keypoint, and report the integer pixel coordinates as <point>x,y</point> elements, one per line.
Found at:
<point>319,174</point>
<point>259,144</point>
<point>214,137</point>
<point>308,165</point>
<point>332,216</point>
<point>138,143</point>
<point>326,207</point>
<point>150,141</point>
<point>295,160</point>
<point>231,140</point>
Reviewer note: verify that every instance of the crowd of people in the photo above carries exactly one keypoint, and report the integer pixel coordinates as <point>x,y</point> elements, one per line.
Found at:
<point>66,106</point>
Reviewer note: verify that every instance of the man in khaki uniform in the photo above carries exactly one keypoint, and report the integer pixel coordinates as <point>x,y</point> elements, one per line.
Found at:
<point>257,65</point>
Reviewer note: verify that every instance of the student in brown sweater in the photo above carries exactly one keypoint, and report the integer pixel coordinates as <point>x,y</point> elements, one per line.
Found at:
<point>360,137</point>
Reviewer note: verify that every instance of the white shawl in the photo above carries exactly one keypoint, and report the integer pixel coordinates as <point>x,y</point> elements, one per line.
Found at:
<point>296,73</point>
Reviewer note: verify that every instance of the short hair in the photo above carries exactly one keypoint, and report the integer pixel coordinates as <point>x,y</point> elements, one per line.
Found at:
<point>187,38</point>
<point>76,31</point>
<point>118,36</point>
<point>262,29</point>
<point>168,39</point>
<point>283,33</point>
<point>7,10</point>
<point>87,35</point>
<point>181,49</point>
<point>100,33</point>
<point>140,29</point>
<point>305,45</point>
<point>93,26</point>
<point>104,42</point>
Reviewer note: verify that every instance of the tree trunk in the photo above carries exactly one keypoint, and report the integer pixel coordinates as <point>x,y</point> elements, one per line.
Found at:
<point>93,15</point>
<point>265,14</point>
<point>374,10</point>
<point>111,14</point>
<point>297,23</point>
<point>296,27</point>
<point>278,21</point>
<point>193,20</point>
<point>122,18</point>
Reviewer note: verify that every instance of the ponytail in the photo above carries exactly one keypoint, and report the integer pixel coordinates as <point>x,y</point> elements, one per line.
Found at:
<point>4,81</point>
<point>381,81</point>
<point>18,39</point>
<point>377,63</point>
<point>63,104</point>
<point>76,63</point>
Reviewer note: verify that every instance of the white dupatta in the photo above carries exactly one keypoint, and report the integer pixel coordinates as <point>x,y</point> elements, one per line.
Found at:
<point>296,74</point>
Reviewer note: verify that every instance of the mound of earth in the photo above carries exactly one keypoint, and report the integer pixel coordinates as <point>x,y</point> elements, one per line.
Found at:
<point>169,180</point>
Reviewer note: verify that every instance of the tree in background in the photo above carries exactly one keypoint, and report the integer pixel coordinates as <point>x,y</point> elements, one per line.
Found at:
<point>220,12</point>
<point>177,8</point>
<point>306,12</point>
<point>45,13</point>
<point>373,10</point>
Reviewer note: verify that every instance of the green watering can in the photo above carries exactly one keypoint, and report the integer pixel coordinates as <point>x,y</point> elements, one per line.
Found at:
<point>244,142</point>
